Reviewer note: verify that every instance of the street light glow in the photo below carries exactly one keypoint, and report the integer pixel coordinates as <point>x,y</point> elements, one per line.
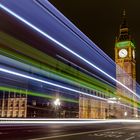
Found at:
<point>57,102</point>
<point>125,114</point>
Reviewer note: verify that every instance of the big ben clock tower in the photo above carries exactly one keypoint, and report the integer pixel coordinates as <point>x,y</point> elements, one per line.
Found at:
<point>125,65</point>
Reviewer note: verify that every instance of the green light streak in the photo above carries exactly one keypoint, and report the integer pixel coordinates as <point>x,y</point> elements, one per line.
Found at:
<point>73,80</point>
<point>37,94</point>
<point>54,66</point>
<point>26,54</point>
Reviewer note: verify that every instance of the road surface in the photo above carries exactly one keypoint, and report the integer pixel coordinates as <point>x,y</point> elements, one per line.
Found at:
<point>104,131</point>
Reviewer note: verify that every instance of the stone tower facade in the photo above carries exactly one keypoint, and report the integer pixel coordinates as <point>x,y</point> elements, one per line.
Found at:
<point>125,69</point>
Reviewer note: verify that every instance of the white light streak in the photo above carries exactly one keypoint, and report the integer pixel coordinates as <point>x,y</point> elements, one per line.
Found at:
<point>60,86</point>
<point>64,121</point>
<point>49,83</point>
<point>64,47</point>
<point>69,50</point>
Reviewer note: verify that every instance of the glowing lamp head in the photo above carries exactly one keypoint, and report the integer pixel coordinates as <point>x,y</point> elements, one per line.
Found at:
<point>57,102</point>
<point>125,113</point>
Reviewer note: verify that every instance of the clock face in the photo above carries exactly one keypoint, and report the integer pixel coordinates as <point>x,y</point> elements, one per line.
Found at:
<point>133,54</point>
<point>123,53</point>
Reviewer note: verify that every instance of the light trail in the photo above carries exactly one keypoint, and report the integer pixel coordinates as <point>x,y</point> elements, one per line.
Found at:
<point>63,87</point>
<point>6,40</point>
<point>93,75</point>
<point>80,80</point>
<point>37,94</point>
<point>104,92</point>
<point>64,121</point>
<point>87,41</point>
<point>31,52</point>
<point>64,47</point>
<point>49,83</point>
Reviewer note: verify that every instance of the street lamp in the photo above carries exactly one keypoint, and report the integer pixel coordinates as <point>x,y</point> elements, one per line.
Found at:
<point>125,114</point>
<point>57,103</point>
<point>136,115</point>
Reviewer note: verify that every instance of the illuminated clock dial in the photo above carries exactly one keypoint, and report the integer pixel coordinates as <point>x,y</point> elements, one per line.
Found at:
<point>133,54</point>
<point>123,53</point>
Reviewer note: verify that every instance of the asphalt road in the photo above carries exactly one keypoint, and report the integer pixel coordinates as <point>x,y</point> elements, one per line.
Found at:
<point>106,131</point>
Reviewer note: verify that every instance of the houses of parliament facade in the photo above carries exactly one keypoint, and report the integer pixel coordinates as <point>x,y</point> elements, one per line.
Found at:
<point>16,105</point>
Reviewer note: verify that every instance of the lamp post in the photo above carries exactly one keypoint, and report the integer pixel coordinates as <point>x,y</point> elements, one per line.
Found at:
<point>57,104</point>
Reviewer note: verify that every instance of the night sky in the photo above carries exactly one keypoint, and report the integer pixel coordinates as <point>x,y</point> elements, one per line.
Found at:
<point>100,21</point>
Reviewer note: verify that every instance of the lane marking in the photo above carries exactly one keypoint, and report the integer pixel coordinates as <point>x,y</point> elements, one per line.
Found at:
<point>113,134</point>
<point>132,134</point>
<point>74,134</point>
<point>130,138</point>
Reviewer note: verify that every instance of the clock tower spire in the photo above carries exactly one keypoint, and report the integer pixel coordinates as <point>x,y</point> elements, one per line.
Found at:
<point>124,31</point>
<point>125,64</point>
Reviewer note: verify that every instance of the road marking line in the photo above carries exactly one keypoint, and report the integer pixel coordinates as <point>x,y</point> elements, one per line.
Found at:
<point>130,138</point>
<point>74,134</point>
<point>132,134</point>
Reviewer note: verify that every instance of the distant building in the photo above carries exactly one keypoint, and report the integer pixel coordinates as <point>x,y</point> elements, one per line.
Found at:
<point>93,108</point>
<point>16,105</point>
<point>13,105</point>
<point>47,109</point>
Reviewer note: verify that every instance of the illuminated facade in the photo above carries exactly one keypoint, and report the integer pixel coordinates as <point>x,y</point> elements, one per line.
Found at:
<point>125,67</point>
<point>13,105</point>
<point>93,108</point>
